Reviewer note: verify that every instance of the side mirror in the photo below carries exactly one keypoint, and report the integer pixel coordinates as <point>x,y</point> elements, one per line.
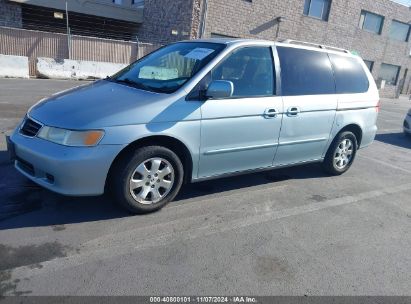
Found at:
<point>220,89</point>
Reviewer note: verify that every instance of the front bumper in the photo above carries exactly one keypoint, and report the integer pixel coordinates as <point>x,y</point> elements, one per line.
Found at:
<point>77,171</point>
<point>407,124</point>
<point>10,149</point>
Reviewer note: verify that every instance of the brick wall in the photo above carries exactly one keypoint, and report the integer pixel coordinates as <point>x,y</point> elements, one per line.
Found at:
<point>389,92</point>
<point>197,18</point>
<point>162,17</point>
<point>240,18</point>
<point>10,14</point>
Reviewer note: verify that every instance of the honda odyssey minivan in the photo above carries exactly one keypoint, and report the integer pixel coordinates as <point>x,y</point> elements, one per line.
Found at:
<point>199,110</point>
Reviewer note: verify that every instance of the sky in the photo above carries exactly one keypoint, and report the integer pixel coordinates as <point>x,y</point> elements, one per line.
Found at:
<point>405,2</point>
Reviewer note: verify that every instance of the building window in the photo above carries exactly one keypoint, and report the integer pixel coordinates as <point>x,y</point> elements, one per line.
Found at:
<point>317,8</point>
<point>119,2</point>
<point>399,31</point>
<point>369,64</point>
<point>371,22</point>
<point>389,73</point>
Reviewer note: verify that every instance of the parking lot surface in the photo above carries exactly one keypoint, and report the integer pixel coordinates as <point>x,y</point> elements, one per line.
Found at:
<point>292,231</point>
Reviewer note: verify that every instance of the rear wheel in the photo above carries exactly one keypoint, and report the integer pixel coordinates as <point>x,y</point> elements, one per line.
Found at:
<point>341,153</point>
<point>148,179</point>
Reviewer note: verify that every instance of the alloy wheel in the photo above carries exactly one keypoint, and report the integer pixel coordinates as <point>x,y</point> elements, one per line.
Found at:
<point>151,181</point>
<point>343,154</point>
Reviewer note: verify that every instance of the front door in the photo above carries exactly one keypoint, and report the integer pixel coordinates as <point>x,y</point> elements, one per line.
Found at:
<point>241,132</point>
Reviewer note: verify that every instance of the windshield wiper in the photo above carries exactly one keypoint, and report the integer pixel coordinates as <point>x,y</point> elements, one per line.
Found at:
<point>162,90</point>
<point>134,84</point>
<point>139,85</point>
<point>125,81</point>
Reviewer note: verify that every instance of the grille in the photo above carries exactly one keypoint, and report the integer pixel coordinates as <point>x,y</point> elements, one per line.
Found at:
<point>30,128</point>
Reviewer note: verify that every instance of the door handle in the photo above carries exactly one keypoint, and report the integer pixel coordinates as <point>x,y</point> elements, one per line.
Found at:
<point>270,113</point>
<point>293,111</point>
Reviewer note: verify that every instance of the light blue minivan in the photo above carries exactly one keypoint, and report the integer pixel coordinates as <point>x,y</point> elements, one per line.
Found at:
<point>199,110</point>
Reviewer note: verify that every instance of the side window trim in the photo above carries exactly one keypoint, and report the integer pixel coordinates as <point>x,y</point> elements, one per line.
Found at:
<point>334,72</point>
<point>273,58</point>
<point>277,70</point>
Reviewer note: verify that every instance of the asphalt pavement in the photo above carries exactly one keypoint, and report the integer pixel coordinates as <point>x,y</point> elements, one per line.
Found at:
<point>292,231</point>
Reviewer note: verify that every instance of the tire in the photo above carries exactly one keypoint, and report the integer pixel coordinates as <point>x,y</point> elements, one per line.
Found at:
<point>341,153</point>
<point>147,179</point>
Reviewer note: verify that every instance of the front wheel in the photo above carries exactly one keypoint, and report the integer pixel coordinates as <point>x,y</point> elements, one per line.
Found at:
<point>341,153</point>
<point>148,179</point>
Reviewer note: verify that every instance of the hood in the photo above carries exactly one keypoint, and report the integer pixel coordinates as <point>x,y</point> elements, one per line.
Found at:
<point>100,104</point>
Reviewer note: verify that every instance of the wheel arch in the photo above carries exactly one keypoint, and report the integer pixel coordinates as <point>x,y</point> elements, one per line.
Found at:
<point>172,143</point>
<point>355,129</point>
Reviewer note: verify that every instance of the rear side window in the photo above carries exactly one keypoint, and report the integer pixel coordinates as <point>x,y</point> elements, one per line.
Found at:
<point>305,72</point>
<point>350,76</point>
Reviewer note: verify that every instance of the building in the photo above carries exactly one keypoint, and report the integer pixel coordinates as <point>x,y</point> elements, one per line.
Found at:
<point>114,19</point>
<point>146,20</point>
<point>378,30</point>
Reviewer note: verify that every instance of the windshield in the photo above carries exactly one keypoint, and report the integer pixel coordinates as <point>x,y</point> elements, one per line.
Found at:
<point>167,69</point>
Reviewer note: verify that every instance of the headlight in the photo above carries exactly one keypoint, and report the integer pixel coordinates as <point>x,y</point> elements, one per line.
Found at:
<point>71,138</point>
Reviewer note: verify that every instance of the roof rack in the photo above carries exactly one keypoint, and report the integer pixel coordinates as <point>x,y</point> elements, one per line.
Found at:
<point>325,47</point>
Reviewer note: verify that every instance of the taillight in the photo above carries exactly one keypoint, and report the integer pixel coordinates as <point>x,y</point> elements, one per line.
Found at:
<point>377,108</point>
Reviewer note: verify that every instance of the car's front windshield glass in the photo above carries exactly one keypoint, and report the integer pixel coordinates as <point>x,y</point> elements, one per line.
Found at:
<point>167,69</point>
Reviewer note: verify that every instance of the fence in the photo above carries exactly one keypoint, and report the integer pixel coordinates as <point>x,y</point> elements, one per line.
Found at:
<point>34,44</point>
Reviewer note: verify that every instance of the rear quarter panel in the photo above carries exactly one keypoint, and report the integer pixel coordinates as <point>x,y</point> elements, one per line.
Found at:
<point>358,109</point>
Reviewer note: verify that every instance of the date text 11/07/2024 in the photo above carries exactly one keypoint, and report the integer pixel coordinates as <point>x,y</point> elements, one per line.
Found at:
<point>235,299</point>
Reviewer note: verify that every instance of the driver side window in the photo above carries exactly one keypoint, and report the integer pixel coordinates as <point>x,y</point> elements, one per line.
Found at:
<point>250,69</point>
